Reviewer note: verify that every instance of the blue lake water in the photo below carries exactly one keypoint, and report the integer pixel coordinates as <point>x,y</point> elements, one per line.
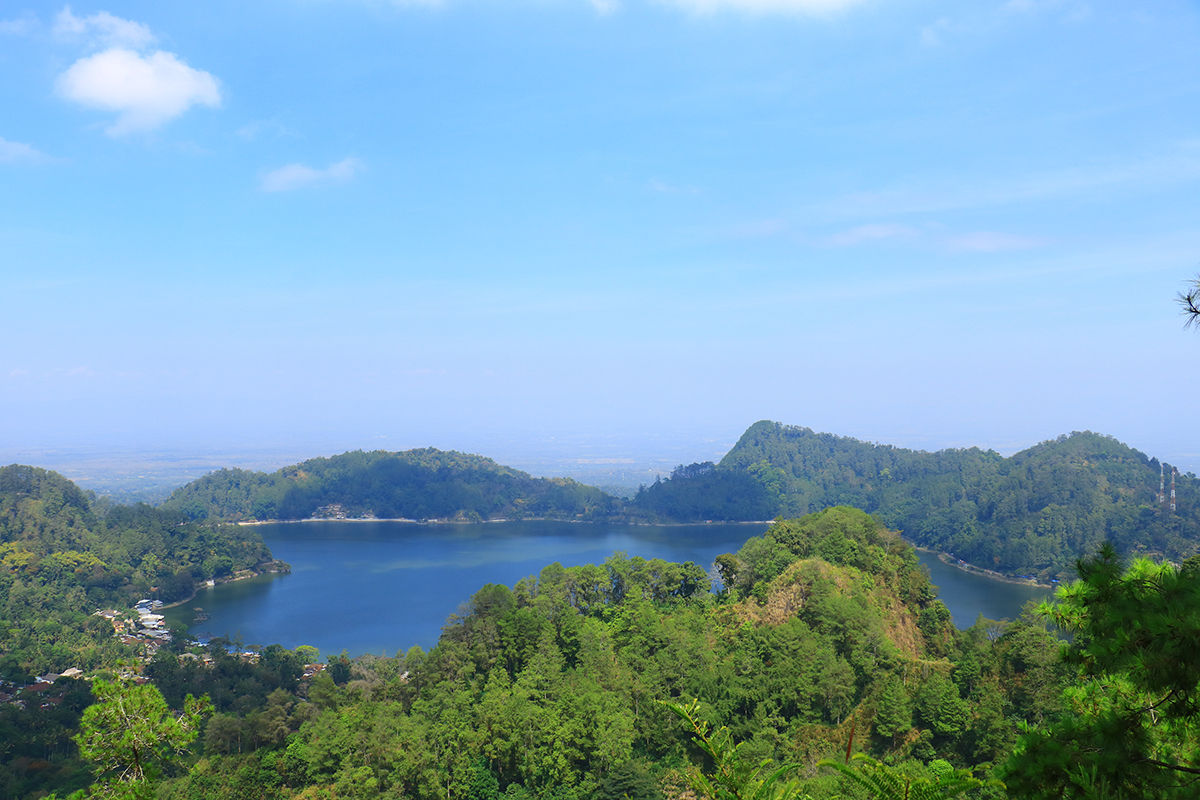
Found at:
<point>382,587</point>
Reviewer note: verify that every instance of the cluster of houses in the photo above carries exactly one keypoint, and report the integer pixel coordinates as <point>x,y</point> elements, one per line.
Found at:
<point>147,630</point>
<point>42,693</point>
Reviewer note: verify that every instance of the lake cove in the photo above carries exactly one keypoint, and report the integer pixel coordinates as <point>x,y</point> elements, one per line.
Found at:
<point>382,587</point>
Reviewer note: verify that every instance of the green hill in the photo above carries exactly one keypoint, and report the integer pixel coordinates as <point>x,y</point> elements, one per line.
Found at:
<point>1033,513</point>
<point>61,558</point>
<point>414,484</point>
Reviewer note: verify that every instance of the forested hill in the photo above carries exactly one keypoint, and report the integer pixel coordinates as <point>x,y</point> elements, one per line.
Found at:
<point>414,484</point>
<point>61,558</point>
<point>1033,513</point>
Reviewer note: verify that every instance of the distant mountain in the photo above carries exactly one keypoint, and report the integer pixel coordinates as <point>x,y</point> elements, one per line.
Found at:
<point>414,484</point>
<point>1034,513</point>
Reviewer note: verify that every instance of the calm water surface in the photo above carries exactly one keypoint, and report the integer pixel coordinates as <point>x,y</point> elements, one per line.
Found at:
<point>380,587</point>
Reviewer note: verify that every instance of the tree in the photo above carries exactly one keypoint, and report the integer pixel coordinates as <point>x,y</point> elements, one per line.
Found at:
<point>1132,721</point>
<point>1190,303</point>
<point>733,777</point>
<point>130,733</point>
<point>894,715</point>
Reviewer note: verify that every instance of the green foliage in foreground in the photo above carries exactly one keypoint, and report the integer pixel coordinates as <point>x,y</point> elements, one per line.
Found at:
<point>414,484</point>
<point>130,735</point>
<point>732,776</point>
<point>1034,513</point>
<point>1130,725</point>
<point>888,783</point>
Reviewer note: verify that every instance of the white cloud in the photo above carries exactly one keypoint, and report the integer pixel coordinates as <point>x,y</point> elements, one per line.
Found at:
<point>103,29</point>
<point>606,7</point>
<point>299,176</point>
<point>18,153</point>
<point>145,91</point>
<point>800,7</point>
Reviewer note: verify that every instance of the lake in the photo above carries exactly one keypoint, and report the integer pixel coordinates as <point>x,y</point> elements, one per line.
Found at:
<point>382,587</point>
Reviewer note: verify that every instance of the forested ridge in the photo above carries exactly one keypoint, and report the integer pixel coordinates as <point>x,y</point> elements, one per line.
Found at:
<point>413,484</point>
<point>1034,513</point>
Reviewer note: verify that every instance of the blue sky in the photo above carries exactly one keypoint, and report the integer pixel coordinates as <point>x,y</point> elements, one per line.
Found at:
<point>329,224</point>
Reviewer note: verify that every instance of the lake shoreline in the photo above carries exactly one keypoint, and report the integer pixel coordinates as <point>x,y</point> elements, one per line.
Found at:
<point>969,568</point>
<point>275,566</point>
<point>407,521</point>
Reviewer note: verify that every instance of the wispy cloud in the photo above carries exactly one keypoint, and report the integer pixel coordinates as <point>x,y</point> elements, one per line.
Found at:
<point>21,26</point>
<point>605,7</point>
<point>952,194</point>
<point>991,242</point>
<point>796,7</point>
<point>1072,9</point>
<point>300,176</point>
<point>933,34</point>
<point>969,20</point>
<point>103,29</point>
<point>935,236</point>
<point>20,153</point>
<point>810,8</point>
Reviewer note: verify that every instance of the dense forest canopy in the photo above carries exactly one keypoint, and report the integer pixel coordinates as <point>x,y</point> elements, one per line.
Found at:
<point>1033,513</point>
<point>414,484</point>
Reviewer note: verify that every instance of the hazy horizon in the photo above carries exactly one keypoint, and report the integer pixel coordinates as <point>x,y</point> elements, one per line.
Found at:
<point>605,229</point>
<point>131,474</point>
